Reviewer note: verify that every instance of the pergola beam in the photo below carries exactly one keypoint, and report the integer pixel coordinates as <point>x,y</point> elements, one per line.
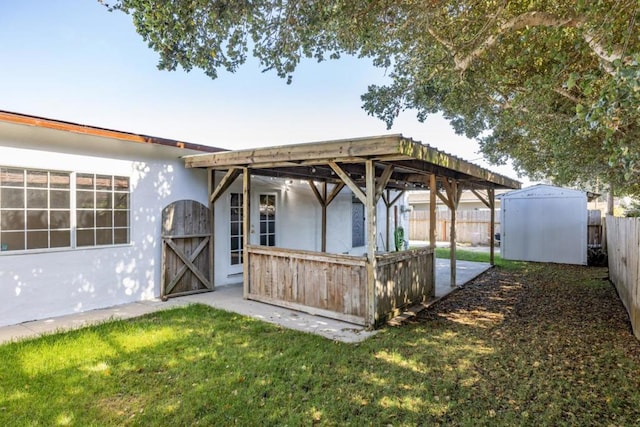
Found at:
<point>347,180</point>
<point>390,149</point>
<point>224,184</point>
<point>381,183</point>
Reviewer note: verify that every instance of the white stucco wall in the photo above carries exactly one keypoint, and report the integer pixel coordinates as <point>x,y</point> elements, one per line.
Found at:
<point>298,222</point>
<point>47,283</point>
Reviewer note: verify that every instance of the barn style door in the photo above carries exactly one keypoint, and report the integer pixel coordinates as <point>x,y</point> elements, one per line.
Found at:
<point>186,237</point>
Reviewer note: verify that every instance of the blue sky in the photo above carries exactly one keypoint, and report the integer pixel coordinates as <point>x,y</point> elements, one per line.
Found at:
<point>73,60</point>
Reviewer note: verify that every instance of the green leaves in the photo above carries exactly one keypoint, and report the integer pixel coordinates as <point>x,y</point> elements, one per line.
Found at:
<point>538,82</point>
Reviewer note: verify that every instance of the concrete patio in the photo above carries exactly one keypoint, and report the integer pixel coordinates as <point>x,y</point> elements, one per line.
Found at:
<point>230,298</point>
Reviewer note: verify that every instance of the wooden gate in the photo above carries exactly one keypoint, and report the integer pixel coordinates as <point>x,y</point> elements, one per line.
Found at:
<point>186,239</point>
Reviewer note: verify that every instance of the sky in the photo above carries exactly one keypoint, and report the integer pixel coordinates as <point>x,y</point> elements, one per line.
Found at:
<point>73,60</point>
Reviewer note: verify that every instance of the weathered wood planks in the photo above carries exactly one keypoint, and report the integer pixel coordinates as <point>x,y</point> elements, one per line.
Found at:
<point>331,284</point>
<point>404,278</point>
<point>186,234</point>
<point>623,242</point>
<point>335,286</point>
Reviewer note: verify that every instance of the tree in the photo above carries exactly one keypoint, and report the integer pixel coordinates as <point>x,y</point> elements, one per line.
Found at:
<point>553,85</point>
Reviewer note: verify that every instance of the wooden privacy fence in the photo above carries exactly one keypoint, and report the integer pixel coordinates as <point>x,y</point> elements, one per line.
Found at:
<point>594,228</point>
<point>186,235</point>
<point>623,242</point>
<point>335,286</point>
<point>472,226</point>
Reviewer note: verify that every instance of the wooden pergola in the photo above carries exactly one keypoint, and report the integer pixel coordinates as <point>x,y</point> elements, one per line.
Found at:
<point>372,168</point>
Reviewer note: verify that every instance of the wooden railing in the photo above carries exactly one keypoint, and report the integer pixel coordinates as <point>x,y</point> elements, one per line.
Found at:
<point>329,285</point>
<point>623,243</point>
<point>335,286</point>
<point>403,278</point>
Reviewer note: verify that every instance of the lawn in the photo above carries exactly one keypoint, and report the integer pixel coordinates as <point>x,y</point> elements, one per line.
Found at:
<point>530,345</point>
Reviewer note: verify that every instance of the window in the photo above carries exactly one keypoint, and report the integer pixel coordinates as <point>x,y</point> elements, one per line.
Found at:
<point>236,228</point>
<point>268,219</point>
<point>357,223</point>
<point>102,210</point>
<point>36,209</point>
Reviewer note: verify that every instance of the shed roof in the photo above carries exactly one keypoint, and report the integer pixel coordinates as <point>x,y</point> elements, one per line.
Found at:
<point>412,162</point>
<point>546,190</point>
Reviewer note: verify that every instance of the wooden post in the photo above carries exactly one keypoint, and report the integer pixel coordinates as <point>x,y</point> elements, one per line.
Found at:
<point>453,194</point>
<point>372,315</point>
<point>432,227</point>
<point>491,193</point>
<point>395,225</point>
<point>489,202</point>
<point>323,245</point>
<point>388,206</point>
<point>432,211</point>
<point>452,244</point>
<point>246,227</point>
<point>211,184</point>
<point>388,202</point>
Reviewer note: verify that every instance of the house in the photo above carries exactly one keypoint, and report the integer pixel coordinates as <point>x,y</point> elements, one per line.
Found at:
<point>92,217</point>
<point>80,214</point>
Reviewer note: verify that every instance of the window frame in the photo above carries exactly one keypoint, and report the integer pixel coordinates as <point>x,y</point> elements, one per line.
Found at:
<point>271,237</point>
<point>358,230</point>
<point>54,209</point>
<point>239,223</point>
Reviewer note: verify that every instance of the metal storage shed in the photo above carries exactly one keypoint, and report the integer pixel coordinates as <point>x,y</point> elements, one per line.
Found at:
<point>544,223</point>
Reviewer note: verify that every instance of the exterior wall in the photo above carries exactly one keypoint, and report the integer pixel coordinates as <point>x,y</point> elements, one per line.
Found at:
<point>41,284</point>
<point>298,222</point>
<point>545,224</point>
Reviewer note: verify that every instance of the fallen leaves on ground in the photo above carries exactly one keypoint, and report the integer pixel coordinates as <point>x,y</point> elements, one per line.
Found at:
<point>563,347</point>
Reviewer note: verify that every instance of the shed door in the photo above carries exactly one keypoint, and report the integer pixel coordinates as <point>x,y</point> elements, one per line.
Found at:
<point>544,230</point>
<point>186,237</point>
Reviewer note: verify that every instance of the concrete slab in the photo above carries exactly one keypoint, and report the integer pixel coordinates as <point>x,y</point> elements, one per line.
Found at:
<point>230,298</point>
<point>465,272</point>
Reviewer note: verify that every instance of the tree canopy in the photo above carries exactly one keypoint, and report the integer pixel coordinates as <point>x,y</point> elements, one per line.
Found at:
<point>552,85</point>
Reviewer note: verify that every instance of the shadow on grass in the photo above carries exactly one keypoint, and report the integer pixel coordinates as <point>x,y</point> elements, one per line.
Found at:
<point>536,345</point>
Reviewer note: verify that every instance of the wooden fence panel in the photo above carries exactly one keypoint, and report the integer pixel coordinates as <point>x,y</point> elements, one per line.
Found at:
<point>472,226</point>
<point>330,285</point>
<point>623,242</point>
<point>334,286</point>
<point>594,228</point>
<point>404,278</point>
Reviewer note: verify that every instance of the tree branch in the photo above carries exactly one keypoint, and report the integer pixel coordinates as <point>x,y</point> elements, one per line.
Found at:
<point>566,94</point>
<point>527,19</point>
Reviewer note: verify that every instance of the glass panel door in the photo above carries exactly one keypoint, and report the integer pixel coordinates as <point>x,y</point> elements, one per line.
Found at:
<point>235,219</point>
<point>268,219</point>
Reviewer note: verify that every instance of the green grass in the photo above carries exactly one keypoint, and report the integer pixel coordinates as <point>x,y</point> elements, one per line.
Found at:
<point>478,256</point>
<point>461,365</point>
